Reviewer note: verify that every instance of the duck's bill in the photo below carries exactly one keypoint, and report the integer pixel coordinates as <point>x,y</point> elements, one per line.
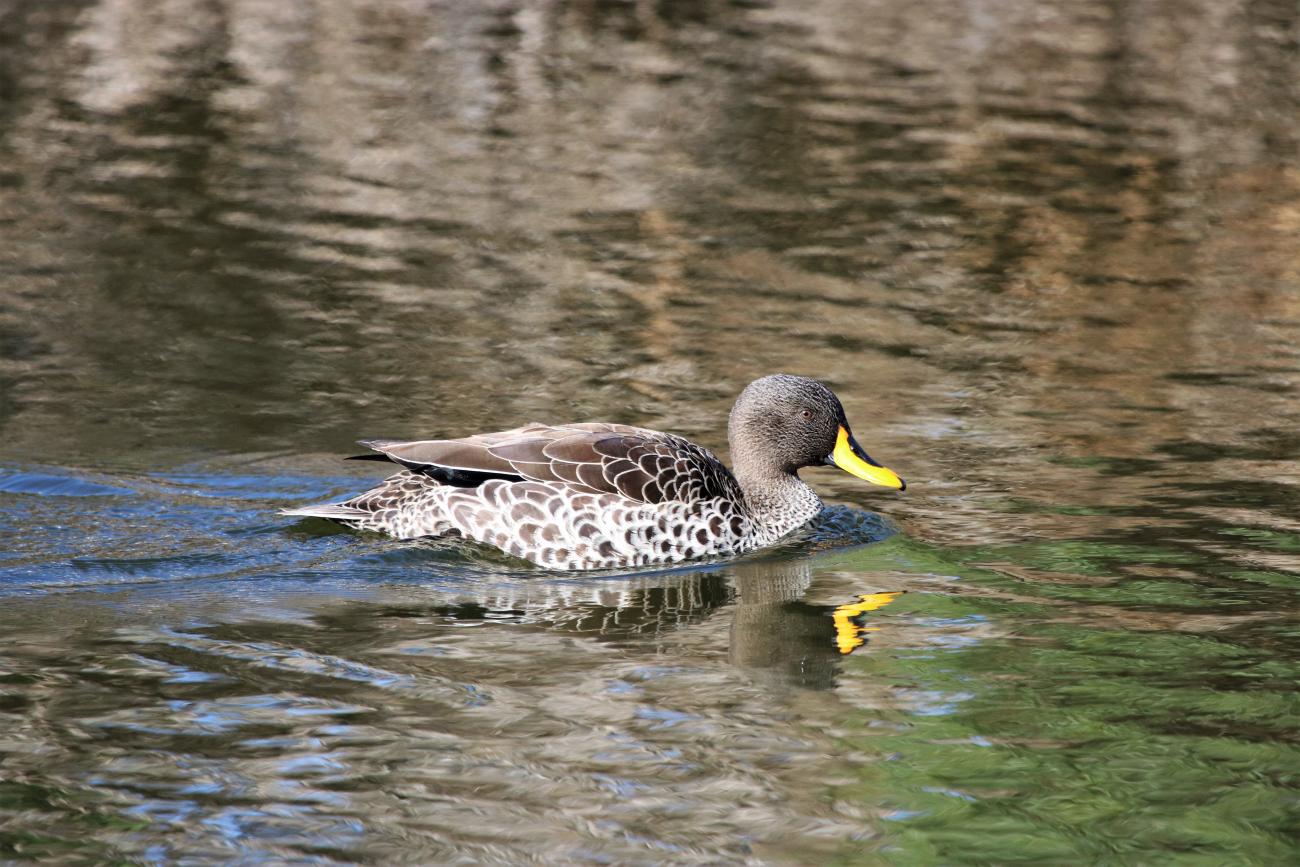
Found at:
<point>850,457</point>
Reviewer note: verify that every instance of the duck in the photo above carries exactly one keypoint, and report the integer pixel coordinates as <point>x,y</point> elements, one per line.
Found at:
<point>597,495</point>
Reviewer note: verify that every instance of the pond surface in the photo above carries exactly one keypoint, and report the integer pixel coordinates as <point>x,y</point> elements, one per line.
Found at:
<point>1048,253</point>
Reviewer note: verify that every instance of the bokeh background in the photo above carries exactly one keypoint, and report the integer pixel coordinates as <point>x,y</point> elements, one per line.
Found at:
<point>1046,251</point>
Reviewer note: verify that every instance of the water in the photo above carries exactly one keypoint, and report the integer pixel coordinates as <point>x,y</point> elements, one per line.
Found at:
<point>1044,251</point>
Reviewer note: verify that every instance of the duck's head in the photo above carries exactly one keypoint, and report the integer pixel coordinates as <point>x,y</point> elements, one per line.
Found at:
<point>782,423</point>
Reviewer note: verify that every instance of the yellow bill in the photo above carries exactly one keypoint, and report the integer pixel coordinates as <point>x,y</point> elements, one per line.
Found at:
<point>850,457</point>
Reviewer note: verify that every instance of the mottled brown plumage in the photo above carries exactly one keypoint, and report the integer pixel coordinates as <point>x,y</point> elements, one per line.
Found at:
<point>642,465</point>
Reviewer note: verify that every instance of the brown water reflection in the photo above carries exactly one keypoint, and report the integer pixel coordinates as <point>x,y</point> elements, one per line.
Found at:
<point>340,731</point>
<point>1046,252</point>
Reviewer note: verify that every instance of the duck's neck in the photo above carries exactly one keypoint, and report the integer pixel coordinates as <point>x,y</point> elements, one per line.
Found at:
<point>777,501</point>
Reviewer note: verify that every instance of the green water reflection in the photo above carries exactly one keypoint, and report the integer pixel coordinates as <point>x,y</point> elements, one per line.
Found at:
<point>1008,719</point>
<point>1131,733</point>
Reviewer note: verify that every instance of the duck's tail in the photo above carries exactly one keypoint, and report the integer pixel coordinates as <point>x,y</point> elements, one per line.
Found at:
<point>407,505</point>
<point>332,511</point>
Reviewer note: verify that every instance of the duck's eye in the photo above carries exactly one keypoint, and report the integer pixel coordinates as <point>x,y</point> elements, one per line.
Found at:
<point>807,413</point>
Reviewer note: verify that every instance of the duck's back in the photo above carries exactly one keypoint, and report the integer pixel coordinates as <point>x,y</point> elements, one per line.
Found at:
<point>576,496</point>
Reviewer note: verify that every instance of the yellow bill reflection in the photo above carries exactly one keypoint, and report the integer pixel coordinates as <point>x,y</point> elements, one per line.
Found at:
<point>849,635</point>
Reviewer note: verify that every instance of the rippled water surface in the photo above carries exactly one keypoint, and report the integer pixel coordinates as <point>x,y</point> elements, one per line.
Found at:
<point>1047,252</point>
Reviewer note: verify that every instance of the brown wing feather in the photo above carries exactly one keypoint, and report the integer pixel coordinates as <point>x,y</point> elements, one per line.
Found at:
<point>576,448</point>
<point>528,449</point>
<point>593,457</point>
<point>450,454</point>
<point>534,471</point>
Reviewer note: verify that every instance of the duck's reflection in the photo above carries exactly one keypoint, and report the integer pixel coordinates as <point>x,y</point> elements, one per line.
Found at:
<point>757,608</point>
<point>773,630</point>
